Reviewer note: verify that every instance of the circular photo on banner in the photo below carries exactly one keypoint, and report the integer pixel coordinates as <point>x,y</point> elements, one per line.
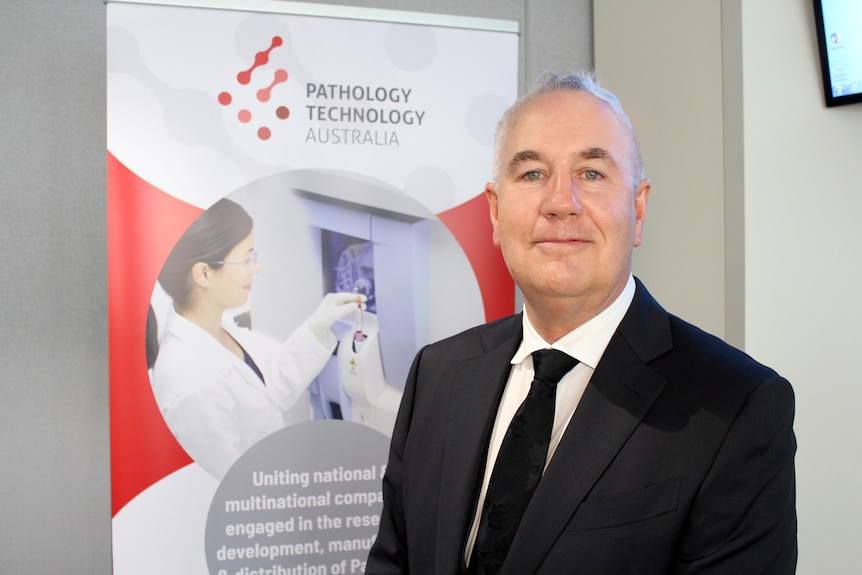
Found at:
<point>302,296</point>
<point>307,499</point>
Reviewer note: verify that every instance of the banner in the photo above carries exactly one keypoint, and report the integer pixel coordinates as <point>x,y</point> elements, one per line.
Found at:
<point>267,172</point>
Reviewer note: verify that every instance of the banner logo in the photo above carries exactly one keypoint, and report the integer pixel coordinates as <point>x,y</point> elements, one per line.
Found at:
<point>262,95</point>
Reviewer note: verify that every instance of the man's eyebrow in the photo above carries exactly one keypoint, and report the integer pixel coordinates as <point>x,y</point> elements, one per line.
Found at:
<point>596,153</point>
<point>523,156</point>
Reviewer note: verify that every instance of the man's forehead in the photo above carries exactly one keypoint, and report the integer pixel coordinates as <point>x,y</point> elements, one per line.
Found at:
<point>587,122</point>
<point>565,108</point>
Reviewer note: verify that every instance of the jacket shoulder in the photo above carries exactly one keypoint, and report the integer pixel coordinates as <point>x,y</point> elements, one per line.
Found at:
<point>666,341</point>
<point>479,339</point>
<point>713,354</point>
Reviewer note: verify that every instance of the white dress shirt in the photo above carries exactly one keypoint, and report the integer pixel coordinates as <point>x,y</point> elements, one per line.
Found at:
<point>587,344</point>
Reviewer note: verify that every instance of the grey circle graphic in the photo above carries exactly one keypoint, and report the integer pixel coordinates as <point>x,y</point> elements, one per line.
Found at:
<point>306,499</point>
<point>254,32</point>
<point>410,48</point>
<point>482,115</point>
<point>432,186</point>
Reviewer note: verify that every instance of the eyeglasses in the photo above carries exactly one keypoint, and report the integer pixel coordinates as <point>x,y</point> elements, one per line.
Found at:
<point>249,262</point>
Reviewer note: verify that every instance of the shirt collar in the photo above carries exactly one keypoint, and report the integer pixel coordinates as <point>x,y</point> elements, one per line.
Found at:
<point>587,342</point>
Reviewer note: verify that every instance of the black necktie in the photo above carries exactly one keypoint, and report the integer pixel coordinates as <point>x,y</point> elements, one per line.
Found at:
<point>520,463</point>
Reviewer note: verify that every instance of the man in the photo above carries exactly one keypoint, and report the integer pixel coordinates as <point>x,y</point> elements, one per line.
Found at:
<point>670,452</point>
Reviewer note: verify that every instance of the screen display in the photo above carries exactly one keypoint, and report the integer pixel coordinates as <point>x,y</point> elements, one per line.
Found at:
<point>839,36</point>
<point>348,266</point>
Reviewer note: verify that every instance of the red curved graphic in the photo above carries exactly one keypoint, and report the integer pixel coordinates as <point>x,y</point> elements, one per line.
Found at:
<point>144,223</point>
<point>470,223</point>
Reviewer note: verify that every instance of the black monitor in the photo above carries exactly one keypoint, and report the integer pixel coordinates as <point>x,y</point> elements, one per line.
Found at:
<point>839,38</point>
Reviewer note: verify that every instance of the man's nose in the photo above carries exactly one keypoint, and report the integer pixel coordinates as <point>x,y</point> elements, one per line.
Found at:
<point>562,197</point>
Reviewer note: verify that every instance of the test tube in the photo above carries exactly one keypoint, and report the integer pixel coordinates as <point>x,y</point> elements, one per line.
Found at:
<point>358,336</point>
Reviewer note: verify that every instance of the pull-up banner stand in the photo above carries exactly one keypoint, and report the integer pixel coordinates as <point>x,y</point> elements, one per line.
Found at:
<point>262,161</point>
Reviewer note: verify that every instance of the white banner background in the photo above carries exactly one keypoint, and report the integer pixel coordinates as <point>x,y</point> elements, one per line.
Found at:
<point>180,121</point>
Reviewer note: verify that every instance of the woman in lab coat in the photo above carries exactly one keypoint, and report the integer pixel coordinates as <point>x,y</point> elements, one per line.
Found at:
<point>221,388</point>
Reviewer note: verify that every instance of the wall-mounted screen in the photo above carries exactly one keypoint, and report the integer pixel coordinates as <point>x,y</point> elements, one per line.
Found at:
<point>839,38</point>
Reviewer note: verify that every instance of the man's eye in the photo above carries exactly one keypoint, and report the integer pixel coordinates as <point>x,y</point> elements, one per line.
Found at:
<point>532,175</point>
<point>592,175</point>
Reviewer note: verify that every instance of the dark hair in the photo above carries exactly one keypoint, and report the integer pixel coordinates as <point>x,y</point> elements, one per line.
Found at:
<point>152,337</point>
<point>209,239</point>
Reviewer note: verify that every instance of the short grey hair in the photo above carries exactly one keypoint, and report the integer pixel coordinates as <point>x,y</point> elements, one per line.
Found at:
<point>583,82</point>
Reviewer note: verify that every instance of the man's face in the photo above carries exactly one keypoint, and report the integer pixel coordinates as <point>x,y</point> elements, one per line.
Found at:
<point>566,209</point>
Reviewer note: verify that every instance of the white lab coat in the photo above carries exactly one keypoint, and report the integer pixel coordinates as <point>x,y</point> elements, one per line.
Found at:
<point>215,405</point>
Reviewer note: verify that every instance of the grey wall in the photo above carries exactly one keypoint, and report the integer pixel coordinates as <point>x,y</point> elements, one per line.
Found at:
<point>669,78</point>
<point>54,451</point>
<point>802,255</point>
<point>54,482</point>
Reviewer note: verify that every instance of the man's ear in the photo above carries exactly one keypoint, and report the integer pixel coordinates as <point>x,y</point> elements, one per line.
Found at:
<point>491,195</point>
<point>641,197</point>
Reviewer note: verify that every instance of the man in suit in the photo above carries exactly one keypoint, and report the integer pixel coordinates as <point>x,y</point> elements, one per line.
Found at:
<point>670,451</point>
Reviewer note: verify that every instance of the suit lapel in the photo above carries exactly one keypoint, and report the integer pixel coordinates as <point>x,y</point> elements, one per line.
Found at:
<point>620,393</point>
<point>480,385</point>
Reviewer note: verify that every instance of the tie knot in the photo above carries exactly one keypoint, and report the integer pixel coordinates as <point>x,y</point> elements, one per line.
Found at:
<point>550,365</point>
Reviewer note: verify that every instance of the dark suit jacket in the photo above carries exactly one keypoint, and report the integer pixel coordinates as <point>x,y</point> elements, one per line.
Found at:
<point>678,459</point>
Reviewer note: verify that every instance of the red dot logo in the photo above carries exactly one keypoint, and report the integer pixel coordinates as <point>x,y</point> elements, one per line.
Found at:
<point>246,95</point>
